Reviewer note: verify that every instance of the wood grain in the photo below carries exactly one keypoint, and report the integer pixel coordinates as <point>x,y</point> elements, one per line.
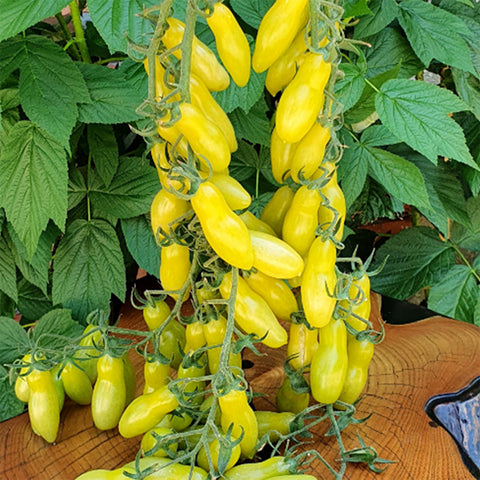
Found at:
<point>415,362</point>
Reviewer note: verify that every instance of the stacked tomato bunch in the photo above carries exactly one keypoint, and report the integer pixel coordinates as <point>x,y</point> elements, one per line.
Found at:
<point>272,279</point>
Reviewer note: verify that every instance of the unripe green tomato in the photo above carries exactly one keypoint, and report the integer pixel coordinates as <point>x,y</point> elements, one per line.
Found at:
<point>214,451</point>
<point>150,439</point>
<point>76,383</point>
<point>287,400</point>
<point>156,314</point>
<point>277,465</point>
<point>273,423</point>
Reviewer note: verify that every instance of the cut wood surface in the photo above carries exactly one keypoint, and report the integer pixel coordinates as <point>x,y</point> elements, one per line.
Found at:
<point>414,362</point>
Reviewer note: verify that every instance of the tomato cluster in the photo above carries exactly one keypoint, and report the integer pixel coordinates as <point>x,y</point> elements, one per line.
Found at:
<point>272,279</point>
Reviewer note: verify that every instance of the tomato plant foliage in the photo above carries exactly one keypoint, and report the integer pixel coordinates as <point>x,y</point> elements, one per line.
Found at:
<point>78,182</point>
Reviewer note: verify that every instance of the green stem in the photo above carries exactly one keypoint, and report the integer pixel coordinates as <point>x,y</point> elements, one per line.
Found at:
<point>186,49</point>
<point>89,171</point>
<point>68,36</point>
<point>467,263</point>
<point>79,35</point>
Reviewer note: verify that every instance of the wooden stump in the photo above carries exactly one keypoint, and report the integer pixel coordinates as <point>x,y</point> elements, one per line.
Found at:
<point>414,363</point>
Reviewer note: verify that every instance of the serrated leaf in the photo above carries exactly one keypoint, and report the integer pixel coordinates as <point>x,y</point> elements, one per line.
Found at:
<point>77,188</point>
<point>254,126</point>
<point>8,272</point>
<point>356,8</point>
<point>242,97</point>
<point>455,294</point>
<point>50,87</point>
<point>115,19</point>
<point>103,147</point>
<point>33,175</point>
<point>18,15</point>
<point>244,161</point>
<point>32,302</point>
<point>366,103</point>
<point>131,192</point>
<point>14,342</point>
<point>471,128</point>
<point>378,136</point>
<point>10,405</point>
<point>11,52</point>
<point>352,170</point>
<point>251,11</point>
<point>434,33</point>
<point>134,74</point>
<point>417,113</point>
<point>88,268</point>
<point>388,49</point>
<point>55,329</point>
<point>141,243</point>
<point>113,99</point>
<point>348,89</point>
<point>468,89</point>
<point>384,12</point>
<point>400,177</point>
<point>469,237</point>
<point>417,258</point>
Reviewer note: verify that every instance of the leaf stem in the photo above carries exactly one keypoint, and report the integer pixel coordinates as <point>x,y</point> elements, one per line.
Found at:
<point>79,35</point>
<point>467,263</point>
<point>68,36</point>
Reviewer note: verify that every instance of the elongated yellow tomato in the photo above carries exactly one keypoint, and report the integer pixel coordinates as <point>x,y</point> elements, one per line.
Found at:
<point>204,62</point>
<point>167,181</point>
<point>175,268</point>
<point>277,465</point>
<point>155,374</point>
<point>224,230</point>
<point>43,406</point>
<point>275,210</point>
<point>202,98</point>
<point>254,223</point>
<point>275,257</point>
<point>232,44</point>
<point>334,209</point>
<point>288,400</point>
<point>252,313</point>
<point>277,30</point>
<point>273,423</point>
<point>329,363</point>
<point>88,355</point>
<point>77,384</point>
<point>194,337</point>
<point>173,136</point>
<point>302,344</point>
<point>302,100</point>
<point>237,411</point>
<point>309,152</point>
<point>275,292</point>
<point>165,212</point>
<point>282,71</point>
<point>318,283</point>
<point>301,220</point>
<point>281,157</point>
<point>205,138</point>
<point>360,354</point>
<point>359,304</point>
<point>214,452</point>
<point>150,441</point>
<point>235,195</point>
<point>109,392</point>
<point>146,411</point>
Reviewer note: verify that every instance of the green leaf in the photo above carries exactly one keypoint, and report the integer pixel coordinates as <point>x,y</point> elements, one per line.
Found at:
<point>244,161</point>
<point>114,100</point>
<point>348,90</point>
<point>11,52</point>
<point>468,89</point>
<point>435,33</point>
<point>366,104</point>
<point>352,170</point>
<point>104,150</point>
<point>115,19</point>
<point>384,12</point>
<point>356,8</point>
<point>32,302</point>
<point>18,15</point>
<point>9,112</point>
<point>400,177</point>
<point>468,237</point>
<point>417,258</point>
<point>254,126</point>
<point>50,87</point>
<point>56,329</point>
<point>244,97</point>
<point>88,268</point>
<point>33,175</point>
<point>378,136</point>
<point>390,48</point>
<point>131,192</point>
<point>8,272</point>
<point>141,243</point>
<point>417,113</point>
<point>10,405</point>
<point>135,75</point>
<point>14,342</point>
<point>455,294</point>
<point>471,128</point>
<point>77,188</point>
<point>251,11</point>
<point>34,268</point>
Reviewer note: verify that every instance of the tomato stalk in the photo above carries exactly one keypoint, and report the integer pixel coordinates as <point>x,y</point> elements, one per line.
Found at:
<point>79,35</point>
